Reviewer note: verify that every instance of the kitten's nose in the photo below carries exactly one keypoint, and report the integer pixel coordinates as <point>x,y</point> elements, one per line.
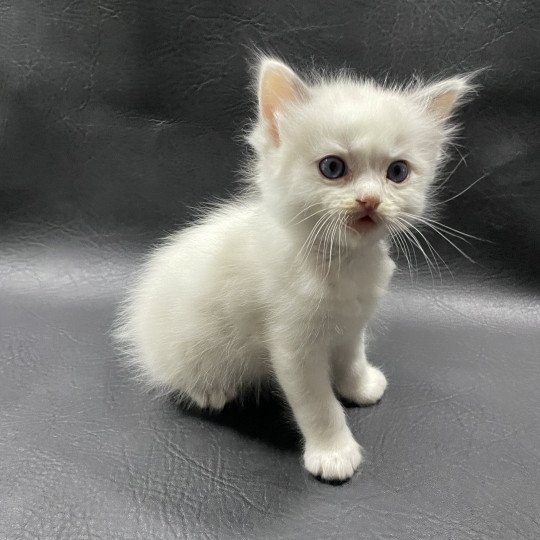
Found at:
<point>369,202</point>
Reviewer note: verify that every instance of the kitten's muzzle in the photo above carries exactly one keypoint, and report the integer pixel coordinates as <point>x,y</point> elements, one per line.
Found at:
<point>362,221</point>
<point>366,216</point>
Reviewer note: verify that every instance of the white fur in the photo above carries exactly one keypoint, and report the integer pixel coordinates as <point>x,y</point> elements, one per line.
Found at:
<point>258,288</point>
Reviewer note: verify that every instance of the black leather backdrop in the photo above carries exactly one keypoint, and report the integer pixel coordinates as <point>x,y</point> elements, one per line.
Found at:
<point>115,117</point>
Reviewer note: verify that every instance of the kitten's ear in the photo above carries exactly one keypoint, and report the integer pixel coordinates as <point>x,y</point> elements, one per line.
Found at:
<point>278,86</point>
<point>443,97</point>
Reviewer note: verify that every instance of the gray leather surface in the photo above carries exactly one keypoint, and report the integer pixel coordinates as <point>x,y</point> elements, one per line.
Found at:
<point>115,118</point>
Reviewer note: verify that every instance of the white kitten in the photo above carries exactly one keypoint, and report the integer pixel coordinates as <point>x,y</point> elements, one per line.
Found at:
<point>282,281</point>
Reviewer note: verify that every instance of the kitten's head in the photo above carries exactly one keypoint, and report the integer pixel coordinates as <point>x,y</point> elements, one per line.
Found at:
<point>348,152</point>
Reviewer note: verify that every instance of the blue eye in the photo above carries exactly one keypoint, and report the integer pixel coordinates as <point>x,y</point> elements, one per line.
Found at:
<point>332,167</point>
<point>397,172</point>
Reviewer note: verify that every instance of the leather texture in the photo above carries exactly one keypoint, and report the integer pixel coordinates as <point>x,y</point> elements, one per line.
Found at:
<point>117,117</point>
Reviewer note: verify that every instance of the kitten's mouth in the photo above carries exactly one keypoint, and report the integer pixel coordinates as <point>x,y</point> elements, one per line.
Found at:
<point>362,224</point>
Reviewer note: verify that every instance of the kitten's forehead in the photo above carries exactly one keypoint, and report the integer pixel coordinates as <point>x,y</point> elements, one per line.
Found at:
<point>361,118</point>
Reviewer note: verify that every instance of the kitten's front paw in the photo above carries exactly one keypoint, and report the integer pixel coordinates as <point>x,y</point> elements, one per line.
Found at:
<point>368,389</point>
<point>338,463</point>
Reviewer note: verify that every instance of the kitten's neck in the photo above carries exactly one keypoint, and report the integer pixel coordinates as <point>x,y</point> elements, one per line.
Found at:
<point>331,257</point>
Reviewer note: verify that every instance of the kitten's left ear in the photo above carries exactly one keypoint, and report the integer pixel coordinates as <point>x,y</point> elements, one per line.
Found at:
<point>279,86</point>
<point>443,97</point>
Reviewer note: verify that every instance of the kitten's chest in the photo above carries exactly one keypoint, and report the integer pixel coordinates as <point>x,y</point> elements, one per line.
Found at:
<point>360,279</point>
<point>352,293</point>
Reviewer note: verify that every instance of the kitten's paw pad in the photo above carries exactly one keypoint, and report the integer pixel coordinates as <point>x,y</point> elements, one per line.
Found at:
<point>370,388</point>
<point>335,464</point>
<point>214,399</point>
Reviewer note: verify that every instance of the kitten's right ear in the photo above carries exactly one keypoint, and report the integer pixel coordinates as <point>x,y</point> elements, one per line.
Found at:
<point>278,86</point>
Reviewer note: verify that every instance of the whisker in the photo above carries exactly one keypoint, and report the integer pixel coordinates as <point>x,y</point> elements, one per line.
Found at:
<point>439,224</point>
<point>307,217</point>
<point>454,245</point>
<point>461,160</point>
<point>304,209</point>
<point>318,234</point>
<point>432,250</point>
<point>417,243</point>
<point>396,245</point>
<point>311,234</point>
<point>463,191</point>
<point>326,233</point>
<point>412,251</point>
<point>331,247</point>
<point>339,240</point>
<point>344,227</point>
<point>399,239</point>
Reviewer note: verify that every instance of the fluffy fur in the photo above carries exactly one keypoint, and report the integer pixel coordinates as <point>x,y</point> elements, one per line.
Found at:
<point>282,281</point>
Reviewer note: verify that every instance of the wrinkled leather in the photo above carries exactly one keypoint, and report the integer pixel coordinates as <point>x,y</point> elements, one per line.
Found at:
<point>116,117</point>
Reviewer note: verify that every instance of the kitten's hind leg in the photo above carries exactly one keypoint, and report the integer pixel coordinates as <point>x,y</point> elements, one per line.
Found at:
<point>354,377</point>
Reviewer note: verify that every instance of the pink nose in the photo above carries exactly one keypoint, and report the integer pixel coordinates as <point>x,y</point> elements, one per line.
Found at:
<point>369,202</point>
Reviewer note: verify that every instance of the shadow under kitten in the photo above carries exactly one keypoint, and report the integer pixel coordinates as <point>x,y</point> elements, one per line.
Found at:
<point>264,416</point>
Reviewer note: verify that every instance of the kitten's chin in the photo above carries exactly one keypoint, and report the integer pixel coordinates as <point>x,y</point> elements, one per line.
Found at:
<point>363,225</point>
<point>364,231</point>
